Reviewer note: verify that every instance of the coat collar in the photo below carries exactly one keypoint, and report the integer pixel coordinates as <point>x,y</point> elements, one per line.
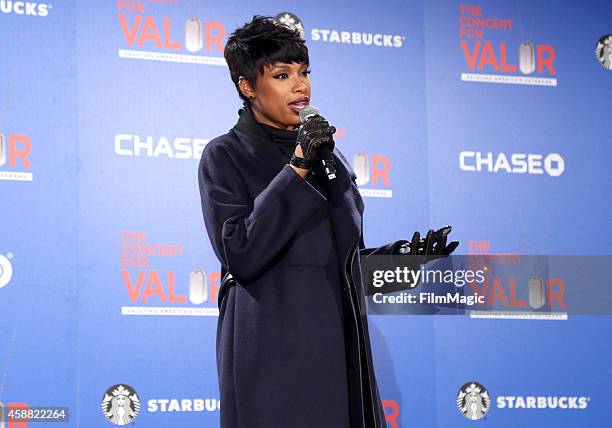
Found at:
<point>258,143</point>
<point>256,140</point>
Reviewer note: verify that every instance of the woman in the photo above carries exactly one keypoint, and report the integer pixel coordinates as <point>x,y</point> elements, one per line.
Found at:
<point>292,344</point>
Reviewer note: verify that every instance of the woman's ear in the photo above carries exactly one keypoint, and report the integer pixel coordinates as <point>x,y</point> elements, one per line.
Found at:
<point>245,87</point>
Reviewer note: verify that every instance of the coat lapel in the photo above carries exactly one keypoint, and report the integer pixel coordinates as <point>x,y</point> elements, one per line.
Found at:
<point>344,200</point>
<point>346,207</point>
<point>263,152</point>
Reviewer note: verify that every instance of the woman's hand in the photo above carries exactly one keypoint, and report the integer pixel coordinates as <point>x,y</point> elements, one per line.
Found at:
<point>434,244</point>
<point>312,135</point>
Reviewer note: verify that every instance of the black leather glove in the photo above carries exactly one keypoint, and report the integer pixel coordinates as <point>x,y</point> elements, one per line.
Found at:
<point>434,244</point>
<point>432,247</point>
<point>312,135</point>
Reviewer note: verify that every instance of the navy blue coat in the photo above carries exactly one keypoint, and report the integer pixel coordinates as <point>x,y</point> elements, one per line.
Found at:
<point>293,347</point>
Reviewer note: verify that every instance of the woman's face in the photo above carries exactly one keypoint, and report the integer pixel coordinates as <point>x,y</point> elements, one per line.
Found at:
<point>280,93</point>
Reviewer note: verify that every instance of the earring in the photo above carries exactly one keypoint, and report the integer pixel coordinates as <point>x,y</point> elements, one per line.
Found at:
<point>240,87</point>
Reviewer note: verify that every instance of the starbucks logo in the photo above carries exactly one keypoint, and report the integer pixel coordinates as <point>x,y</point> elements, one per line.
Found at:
<point>120,404</point>
<point>473,401</point>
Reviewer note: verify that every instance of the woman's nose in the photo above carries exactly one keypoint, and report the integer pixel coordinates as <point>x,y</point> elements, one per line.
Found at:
<point>300,85</point>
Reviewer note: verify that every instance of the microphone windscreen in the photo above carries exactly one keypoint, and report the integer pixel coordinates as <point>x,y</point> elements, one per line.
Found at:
<point>307,112</point>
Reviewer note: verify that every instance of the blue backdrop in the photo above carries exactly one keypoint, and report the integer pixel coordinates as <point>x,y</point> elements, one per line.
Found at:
<point>106,274</point>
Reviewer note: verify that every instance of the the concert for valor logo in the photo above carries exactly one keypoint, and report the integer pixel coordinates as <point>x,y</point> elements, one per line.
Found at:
<point>473,401</point>
<point>120,404</point>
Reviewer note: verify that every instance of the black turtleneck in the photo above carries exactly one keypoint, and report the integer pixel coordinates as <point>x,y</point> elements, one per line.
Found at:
<point>282,141</point>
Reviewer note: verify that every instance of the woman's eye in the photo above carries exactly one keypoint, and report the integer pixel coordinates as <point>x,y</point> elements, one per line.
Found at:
<point>284,75</point>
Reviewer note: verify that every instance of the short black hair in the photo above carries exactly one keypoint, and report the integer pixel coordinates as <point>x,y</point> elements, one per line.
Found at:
<point>262,42</point>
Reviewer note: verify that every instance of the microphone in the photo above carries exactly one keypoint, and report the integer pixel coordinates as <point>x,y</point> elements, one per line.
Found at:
<point>325,155</point>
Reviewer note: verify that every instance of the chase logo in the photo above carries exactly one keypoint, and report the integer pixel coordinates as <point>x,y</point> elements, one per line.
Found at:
<point>552,164</point>
<point>6,269</point>
<point>373,175</point>
<point>148,146</point>
<point>27,8</point>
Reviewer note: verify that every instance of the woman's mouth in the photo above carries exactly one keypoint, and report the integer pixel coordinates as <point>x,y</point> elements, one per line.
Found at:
<point>298,105</point>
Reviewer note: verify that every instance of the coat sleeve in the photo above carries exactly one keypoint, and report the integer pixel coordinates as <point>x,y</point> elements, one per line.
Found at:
<point>247,233</point>
<point>387,249</point>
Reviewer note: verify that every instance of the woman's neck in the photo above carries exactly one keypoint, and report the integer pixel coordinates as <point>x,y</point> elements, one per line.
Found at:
<point>261,118</point>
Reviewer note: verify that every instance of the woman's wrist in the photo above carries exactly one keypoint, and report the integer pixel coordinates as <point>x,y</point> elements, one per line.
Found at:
<point>302,172</point>
<point>297,162</point>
